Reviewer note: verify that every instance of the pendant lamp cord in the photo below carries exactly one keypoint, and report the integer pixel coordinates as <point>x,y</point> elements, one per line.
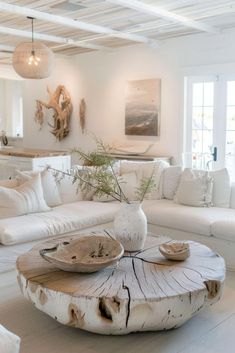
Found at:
<point>32,30</point>
<point>32,27</point>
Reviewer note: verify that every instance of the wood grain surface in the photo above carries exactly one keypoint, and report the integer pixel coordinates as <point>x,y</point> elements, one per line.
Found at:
<point>30,153</point>
<point>144,292</point>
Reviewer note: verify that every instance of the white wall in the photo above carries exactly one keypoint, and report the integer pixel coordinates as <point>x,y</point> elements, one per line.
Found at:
<point>67,73</point>
<point>10,108</point>
<point>100,78</point>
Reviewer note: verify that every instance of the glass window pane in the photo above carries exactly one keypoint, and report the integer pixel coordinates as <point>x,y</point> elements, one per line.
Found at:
<point>231,93</point>
<point>230,143</point>
<point>207,141</point>
<point>230,165</point>
<point>197,141</point>
<point>197,94</point>
<point>208,94</point>
<point>230,118</point>
<point>197,118</point>
<point>208,118</point>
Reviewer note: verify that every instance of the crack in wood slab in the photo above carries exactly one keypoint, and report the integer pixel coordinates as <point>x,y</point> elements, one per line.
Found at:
<point>144,293</point>
<point>213,288</point>
<point>128,303</point>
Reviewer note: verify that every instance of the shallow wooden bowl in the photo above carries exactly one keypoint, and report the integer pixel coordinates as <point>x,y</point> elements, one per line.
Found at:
<point>85,254</point>
<point>177,251</point>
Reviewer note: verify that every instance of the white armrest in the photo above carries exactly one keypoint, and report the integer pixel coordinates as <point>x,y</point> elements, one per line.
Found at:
<point>9,342</point>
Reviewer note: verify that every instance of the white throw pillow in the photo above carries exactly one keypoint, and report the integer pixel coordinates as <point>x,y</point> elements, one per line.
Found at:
<point>9,342</point>
<point>49,185</point>
<point>69,191</point>
<point>221,188</point>
<point>170,181</point>
<point>128,183</point>
<point>87,195</point>
<point>26,198</point>
<point>195,189</point>
<point>145,170</point>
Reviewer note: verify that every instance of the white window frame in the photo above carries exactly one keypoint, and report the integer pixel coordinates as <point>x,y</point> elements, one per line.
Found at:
<point>188,105</point>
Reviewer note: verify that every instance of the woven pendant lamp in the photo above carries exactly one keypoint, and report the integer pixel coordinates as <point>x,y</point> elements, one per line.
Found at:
<point>33,59</point>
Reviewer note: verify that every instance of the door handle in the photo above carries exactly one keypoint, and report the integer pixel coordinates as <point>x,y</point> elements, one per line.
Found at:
<point>214,154</point>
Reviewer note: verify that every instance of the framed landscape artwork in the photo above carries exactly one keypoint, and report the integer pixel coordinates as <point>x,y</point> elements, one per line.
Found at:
<point>143,103</point>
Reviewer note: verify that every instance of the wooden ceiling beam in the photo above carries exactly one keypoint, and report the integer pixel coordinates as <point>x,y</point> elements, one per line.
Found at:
<point>49,38</point>
<point>167,15</point>
<point>6,48</point>
<point>68,22</point>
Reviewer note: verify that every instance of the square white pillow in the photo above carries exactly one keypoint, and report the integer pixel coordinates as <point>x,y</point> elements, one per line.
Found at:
<point>85,195</point>
<point>9,342</point>
<point>128,183</point>
<point>145,170</point>
<point>195,189</point>
<point>49,185</point>
<point>170,181</point>
<point>88,196</point>
<point>24,199</point>
<point>69,191</point>
<point>221,188</point>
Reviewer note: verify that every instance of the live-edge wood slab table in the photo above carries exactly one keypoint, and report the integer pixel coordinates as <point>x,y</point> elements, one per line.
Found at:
<point>144,292</point>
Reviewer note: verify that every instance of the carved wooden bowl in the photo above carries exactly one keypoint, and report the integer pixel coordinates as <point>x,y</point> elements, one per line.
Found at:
<point>86,254</point>
<point>177,251</point>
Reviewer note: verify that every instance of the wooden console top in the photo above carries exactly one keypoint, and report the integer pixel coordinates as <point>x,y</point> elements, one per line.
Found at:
<point>30,153</point>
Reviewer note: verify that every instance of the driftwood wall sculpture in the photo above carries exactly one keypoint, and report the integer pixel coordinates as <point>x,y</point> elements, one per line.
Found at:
<point>82,114</point>
<point>60,102</point>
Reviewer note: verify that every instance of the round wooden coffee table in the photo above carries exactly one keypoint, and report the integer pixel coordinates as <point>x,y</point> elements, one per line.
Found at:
<point>145,292</point>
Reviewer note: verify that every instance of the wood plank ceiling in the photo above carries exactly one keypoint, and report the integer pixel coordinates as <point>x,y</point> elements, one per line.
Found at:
<point>129,21</point>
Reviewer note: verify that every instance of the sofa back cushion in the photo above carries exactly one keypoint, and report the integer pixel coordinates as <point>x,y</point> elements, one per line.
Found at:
<point>232,196</point>
<point>221,194</point>
<point>69,191</point>
<point>170,181</point>
<point>128,183</point>
<point>195,189</point>
<point>24,199</point>
<point>49,185</point>
<point>221,188</point>
<point>145,170</point>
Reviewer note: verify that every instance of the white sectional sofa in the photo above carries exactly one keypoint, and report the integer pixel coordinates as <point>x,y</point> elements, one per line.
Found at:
<point>9,342</point>
<point>213,226</point>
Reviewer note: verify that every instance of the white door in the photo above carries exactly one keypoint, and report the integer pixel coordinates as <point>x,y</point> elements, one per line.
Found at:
<point>209,129</point>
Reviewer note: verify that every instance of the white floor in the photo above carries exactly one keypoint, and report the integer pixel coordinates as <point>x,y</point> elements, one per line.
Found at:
<point>211,331</point>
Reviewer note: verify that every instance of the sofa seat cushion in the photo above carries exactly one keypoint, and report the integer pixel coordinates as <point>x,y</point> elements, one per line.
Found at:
<point>225,228</point>
<point>61,220</point>
<point>197,220</point>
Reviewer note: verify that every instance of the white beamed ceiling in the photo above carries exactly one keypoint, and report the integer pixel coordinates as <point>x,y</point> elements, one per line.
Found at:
<point>219,14</point>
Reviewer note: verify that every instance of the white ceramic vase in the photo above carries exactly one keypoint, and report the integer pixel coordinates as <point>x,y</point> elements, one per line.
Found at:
<point>130,226</point>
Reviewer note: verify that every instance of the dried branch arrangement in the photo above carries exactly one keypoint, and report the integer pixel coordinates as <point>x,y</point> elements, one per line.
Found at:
<point>60,103</point>
<point>102,177</point>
